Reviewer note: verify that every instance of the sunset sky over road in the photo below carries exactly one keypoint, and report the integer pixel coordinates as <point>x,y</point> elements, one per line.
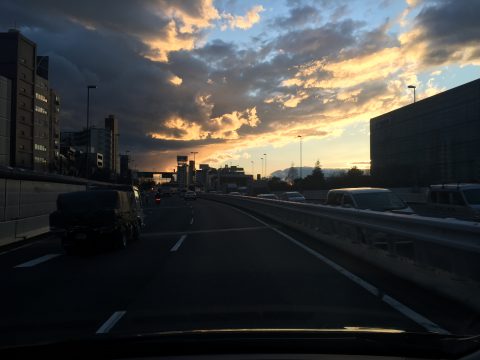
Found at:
<point>236,79</point>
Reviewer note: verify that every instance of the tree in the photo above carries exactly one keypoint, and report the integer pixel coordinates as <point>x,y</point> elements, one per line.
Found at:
<point>291,175</point>
<point>354,172</point>
<point>314,181</point>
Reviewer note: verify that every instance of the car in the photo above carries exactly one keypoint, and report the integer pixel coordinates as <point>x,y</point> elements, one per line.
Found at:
<point>460,201</point>
<point>190,195</point>
<point>293,196</point>
<point>91,218</point>
<point>133,191</point>
<point>267,196</point>
<point>235,193</point>
<point>366,198</point>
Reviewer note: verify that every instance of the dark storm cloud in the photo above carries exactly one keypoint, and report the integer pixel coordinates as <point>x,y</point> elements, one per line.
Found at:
<point>448,26</point>
<point>298,17</point>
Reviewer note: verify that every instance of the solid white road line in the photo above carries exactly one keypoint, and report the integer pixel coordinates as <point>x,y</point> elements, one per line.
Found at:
<point>191,221</point>
<point>397,305</point>
<point>110,323</point>
<point>178,244</point>
<point>37,261</point>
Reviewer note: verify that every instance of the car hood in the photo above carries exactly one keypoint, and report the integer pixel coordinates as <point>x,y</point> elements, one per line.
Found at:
<point>348,340</point>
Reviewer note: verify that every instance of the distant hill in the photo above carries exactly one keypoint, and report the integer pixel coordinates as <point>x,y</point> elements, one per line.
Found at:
<point>306,170</point>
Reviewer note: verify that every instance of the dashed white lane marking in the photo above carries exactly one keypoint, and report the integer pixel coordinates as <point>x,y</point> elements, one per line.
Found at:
<point>191,221</point>
<point>397,305</point>
<point>110,323</point>
<point>178,244</point>
<point>37,261</point>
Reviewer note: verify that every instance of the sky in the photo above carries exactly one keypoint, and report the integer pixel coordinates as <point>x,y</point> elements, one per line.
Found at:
<point>236,79</point>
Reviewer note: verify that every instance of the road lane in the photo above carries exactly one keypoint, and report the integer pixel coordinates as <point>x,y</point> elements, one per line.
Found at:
<point>229,271</point>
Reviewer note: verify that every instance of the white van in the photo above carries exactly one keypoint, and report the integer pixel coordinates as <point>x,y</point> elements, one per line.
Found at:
<point>377,199</point>
<point>460,201</point>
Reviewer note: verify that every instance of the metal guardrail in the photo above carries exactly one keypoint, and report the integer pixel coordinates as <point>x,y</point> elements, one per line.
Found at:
<point>442,254</point>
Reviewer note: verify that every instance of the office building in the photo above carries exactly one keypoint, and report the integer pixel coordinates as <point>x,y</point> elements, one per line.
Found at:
<point>182,161</point>
<point>41,128</point>
<point>191,173</point>
<point>435,140</point>
<point>54,130</point>
<point>34,117</point>
<point>18,63</point>
<point>230,178</point>
<point>5,119</point>
<point>111,125</point>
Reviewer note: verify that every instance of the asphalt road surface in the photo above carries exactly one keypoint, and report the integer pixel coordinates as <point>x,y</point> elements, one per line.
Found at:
<point>205,265</point>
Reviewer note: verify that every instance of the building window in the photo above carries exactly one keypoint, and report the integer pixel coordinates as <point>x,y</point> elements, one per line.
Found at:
<point>23,90</point>
<point>41,97</point>
<point>24,75</point>
<point>40,147</point>
<point>22,132</point>
<point>40,110</point>
<point>22,147</point>
<point>40,160</point>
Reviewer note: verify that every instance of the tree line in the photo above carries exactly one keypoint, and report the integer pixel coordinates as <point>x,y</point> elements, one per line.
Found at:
<point>353,177</point>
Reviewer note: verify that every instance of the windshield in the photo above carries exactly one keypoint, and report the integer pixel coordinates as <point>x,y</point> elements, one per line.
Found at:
<point>138,138</point>
<point>472,196</point>
<point>379,201</point>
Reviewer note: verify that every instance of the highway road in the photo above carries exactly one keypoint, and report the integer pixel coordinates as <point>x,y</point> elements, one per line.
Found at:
<point>202,264</point>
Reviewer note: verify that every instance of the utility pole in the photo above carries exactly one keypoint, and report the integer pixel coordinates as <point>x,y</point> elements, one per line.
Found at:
<point>265,165</point>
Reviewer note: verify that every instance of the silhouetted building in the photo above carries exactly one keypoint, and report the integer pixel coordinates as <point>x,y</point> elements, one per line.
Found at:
<point>435,140</point>
<point>201,175</point>
<point>113,161</point>
<point>5,119</point>
<point>182,161</point>
<point>124,159</point>
<point>231,179</point>
<point>191,173</point>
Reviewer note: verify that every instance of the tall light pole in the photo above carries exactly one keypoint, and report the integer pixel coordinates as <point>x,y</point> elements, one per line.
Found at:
<point>265,165</point>
<point>253,169</point>
<point>261,172</point>
<point>300,136</point>
<point>414,95</point>
<point>88,126</point>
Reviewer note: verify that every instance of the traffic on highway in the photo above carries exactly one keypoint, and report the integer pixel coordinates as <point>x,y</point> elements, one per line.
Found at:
<point>240,179</point>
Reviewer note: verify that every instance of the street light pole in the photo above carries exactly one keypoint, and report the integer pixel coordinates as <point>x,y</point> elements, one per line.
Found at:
<point>265,165</point>
<point>300,136</point>
<point>261,172</point>
<point>414,95</point>
<point>253,169</point>
<point>88,127</point>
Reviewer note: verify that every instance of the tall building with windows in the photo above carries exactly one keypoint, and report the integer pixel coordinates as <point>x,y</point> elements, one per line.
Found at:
<point>41,127</point>
<point>18,57</point>
<point>5,119</point>
<point>434,140</point>
<point>33,115</point>
<point>54,130</point>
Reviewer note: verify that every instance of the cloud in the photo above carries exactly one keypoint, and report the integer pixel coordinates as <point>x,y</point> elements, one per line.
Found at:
<point>300,16</point>
<point>243,22</point>
<point>176,90</point>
